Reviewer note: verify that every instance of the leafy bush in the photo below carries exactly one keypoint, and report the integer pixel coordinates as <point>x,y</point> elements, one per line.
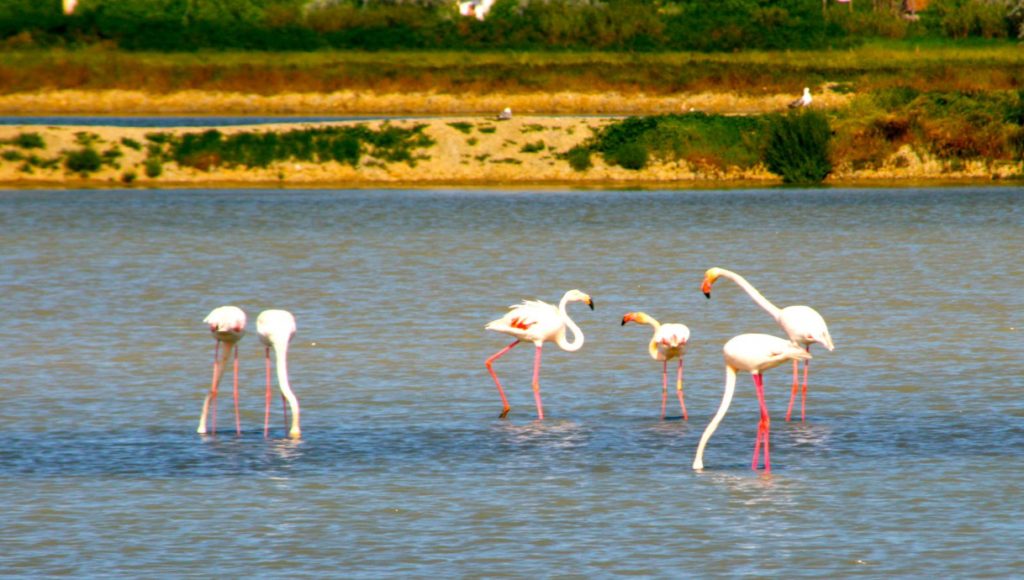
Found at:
<point>533,147</point>
<point>797,148</point>
<point>29,141</point>
<point>630,156</point>
<point>579,158</point>
<point>154,168</point>
<point>84,160</point>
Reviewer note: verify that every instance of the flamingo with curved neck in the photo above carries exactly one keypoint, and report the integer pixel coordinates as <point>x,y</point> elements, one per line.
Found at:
<point>537,322</point>
<point>752,353</point>
<point>227,324</point>
<point>669,342</point>
<point>276,329</point>
<point>802,324</point>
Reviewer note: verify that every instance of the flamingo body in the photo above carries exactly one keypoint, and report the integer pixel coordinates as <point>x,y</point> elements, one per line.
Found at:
<point>752,353</point>
<point>276,329</point>
<point>476,8</point>
<point>537,322</point>
<point>227,324</point>
<point>668,343</point>
<point>802,324</point>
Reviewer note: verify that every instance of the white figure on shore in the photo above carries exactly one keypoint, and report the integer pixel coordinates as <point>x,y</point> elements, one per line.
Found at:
<point>477,8</point>
<point>506,114</point>
<point>803,101</point>
<point>69,6</point>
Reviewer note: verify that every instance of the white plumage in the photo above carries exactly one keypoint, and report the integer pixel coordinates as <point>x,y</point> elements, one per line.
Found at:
<point>227,324</point>
<point>276,329</point>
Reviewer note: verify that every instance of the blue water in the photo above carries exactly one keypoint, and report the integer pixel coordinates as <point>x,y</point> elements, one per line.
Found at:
<point>908,463</point>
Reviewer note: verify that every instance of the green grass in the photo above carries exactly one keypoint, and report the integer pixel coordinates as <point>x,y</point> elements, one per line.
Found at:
<point>924,65</point>
<point>210,149</point>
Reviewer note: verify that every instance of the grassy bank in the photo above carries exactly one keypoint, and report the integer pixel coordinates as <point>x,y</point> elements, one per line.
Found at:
<point>983,66</point>
<point>898,133</point>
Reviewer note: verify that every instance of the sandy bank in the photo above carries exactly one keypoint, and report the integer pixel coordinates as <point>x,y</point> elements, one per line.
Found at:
<point>468,150</point>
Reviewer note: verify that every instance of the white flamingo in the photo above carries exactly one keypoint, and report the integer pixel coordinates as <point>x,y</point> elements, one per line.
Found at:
<point>227,323</point>
<point>669,342</point>
<point>276,329</point>
<point>802,324</point>
<point>752,353</point>
<point>537,322</point>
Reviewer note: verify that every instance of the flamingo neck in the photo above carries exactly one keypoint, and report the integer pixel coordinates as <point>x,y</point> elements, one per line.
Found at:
<point>730,387</point>
<point>577,336</point>
<point>758,298</point>
<point>281,359</point>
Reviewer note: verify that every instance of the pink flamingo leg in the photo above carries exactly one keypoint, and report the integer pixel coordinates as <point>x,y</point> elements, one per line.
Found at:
<point>796,385</point>
<point>490,361</point>
<point>803,399</point>
<point>284,405</point>
<point>679,389</point>
<point>664,386</point>
<point>266,405</point>
<point>238,420</point>
<point>213,389</point>
<point>536,384</point>
<point>764,427</point>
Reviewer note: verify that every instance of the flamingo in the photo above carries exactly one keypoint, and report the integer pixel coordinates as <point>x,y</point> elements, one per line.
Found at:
<point>227,323</point>
<point>752,353</point>
<point>276,329</point>
<point>802,324</point>
<point>803,101</point>
<point>669,342</point>
<point>537,322</point>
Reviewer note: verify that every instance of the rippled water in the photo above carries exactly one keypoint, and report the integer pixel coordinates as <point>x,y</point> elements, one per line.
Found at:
<point>909,462</point>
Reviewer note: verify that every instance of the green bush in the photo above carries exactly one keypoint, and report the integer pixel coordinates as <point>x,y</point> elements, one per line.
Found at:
<point>797,148</point>
<point>630,156</point>
<point>29,141</point>
<point>154,168</point>
<point>579,158</point>
<point>84,160</point>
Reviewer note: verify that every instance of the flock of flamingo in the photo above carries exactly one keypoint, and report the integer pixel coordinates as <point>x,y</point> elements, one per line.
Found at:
<point>539,322</point>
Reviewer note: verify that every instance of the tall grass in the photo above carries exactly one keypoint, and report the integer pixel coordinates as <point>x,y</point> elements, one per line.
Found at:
<point>797,147</point>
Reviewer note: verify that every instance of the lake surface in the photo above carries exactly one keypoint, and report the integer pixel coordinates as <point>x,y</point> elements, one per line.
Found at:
<point>909,463</point>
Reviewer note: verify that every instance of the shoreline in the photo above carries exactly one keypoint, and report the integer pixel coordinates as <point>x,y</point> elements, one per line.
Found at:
<point>468,151</point>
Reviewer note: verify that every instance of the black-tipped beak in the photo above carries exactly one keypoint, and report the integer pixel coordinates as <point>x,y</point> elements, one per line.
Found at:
<point>624,321</point>
<point>591,304</point>
<point>707,295</point>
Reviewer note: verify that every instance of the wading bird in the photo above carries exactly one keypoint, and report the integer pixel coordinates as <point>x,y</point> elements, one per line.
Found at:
<point>669,342</point>
<point>537,322</point>
<point>276,329</point>
<point>802,324</point>
<point>227,324</point>
<point>752,353</point>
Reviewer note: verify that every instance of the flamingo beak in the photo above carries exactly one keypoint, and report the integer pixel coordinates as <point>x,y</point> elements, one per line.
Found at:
<point>706,287</point>
<point>627,318</point>
<point>590,303</point>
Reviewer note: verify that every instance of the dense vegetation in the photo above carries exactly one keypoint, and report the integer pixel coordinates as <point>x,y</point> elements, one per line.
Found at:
<point>954,127</point>
<point>635,25</point>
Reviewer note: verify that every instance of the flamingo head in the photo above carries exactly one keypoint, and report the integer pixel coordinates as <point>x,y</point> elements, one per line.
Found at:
<point>637,317</point>
<point>823,338</point>
<point>577,296</point>
<point>709,278</point>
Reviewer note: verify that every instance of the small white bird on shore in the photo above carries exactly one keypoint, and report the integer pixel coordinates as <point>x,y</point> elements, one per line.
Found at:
<point>506,114</point>
<point>477,8</point>
<point>803,101</point>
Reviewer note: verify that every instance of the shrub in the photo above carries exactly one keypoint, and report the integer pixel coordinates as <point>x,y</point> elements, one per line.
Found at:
<point>84,160</point>
<point>797,148</point>
<point>533,147</point>
<point>461,126</point>
<point>154,168</point>
<point>630,156</point>
<point>131,143</point>
<point>579,158</point>
<point>29,141</point>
